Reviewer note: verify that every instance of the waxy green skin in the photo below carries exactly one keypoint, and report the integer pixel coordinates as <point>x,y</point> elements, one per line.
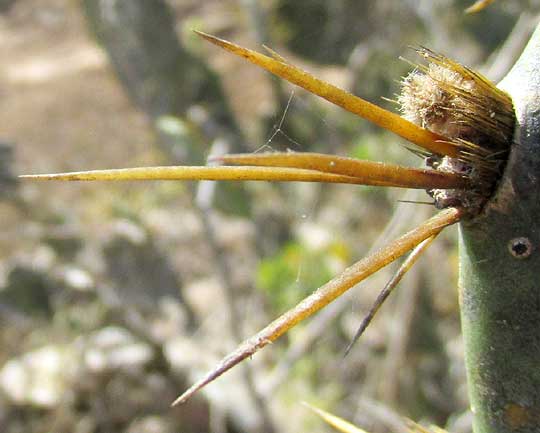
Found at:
<point>500,293</point>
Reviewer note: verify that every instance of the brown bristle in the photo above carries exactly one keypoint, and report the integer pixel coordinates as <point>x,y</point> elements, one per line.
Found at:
<point>452,100</point>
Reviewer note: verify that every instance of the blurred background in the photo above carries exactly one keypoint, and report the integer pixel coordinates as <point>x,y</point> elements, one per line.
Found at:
<point>115,297</point>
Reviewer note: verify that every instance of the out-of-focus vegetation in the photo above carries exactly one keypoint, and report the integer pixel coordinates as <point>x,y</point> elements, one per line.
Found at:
<point>114,297</point>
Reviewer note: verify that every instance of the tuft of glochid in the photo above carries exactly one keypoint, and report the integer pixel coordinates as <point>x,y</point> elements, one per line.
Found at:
<point>460,104</point>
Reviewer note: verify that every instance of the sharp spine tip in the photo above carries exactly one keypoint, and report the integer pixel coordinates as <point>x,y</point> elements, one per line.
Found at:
<point>33,176</point>
<point>180,400</point>
<point>210,37</point>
